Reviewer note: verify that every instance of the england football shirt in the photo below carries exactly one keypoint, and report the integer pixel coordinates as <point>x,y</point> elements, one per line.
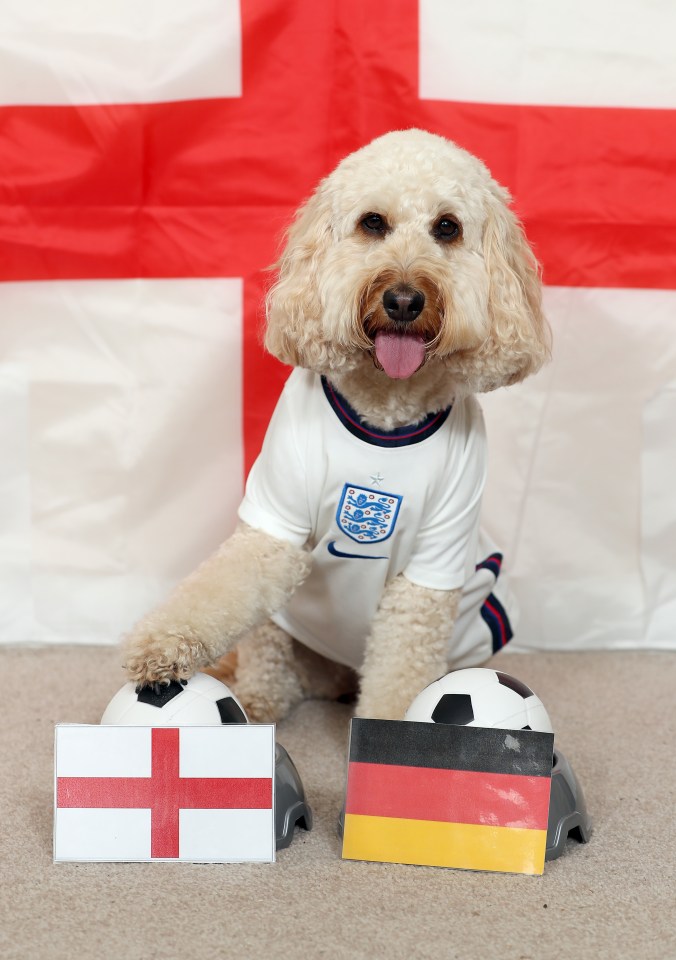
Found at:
<point>369,504</point>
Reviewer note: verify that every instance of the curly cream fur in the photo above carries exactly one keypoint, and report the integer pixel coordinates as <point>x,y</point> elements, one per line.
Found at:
<point>274,673</point>
<point>406,649</point>
<point>249,577</point>
<point>482,326</point>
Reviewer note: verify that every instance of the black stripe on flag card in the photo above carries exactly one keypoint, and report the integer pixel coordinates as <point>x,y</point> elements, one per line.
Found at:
<point>448,746</point>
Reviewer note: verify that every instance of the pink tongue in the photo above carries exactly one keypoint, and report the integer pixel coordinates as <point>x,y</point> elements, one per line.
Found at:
<point>399,354</point>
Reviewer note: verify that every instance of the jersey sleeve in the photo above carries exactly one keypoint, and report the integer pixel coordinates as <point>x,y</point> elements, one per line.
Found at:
<point>444,555</point>
<point>275,498</point>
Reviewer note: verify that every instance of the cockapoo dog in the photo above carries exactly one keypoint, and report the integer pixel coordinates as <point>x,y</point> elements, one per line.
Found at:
<point>406,286</point>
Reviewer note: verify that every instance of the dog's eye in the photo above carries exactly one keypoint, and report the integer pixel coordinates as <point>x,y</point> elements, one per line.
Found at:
<point>373,223</point>
<point>446,229</point>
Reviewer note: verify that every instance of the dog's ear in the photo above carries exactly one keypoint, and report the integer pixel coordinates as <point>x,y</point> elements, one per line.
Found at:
<point>293,305</point>
<point>519,341</point>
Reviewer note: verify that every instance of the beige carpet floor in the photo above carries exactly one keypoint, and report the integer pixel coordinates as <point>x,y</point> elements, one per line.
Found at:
<point>615,720</point>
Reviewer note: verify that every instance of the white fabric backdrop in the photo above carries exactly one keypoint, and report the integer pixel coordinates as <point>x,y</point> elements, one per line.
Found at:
<point>120,426</point>
<point>580,492</point>
<point>609,53</point>
<point>95,51</point>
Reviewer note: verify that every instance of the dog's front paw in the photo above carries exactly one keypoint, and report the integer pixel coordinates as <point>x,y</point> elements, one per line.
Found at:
<point>151,661</point>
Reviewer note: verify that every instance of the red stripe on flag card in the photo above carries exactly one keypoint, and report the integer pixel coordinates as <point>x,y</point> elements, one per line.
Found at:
<point>451,796</point>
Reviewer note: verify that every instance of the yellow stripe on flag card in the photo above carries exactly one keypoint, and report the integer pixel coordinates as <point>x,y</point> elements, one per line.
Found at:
<point>436,844</point>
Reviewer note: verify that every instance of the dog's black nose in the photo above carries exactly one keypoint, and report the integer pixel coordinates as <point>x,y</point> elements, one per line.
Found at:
<point>403,303</point>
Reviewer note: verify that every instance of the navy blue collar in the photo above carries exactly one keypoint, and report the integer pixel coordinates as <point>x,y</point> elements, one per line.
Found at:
<point>399,437</point>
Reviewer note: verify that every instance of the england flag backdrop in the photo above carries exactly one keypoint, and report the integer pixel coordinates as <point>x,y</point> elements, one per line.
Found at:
<point>150,157</point>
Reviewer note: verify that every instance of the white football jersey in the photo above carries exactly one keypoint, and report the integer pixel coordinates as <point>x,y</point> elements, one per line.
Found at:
<point>372,504</point>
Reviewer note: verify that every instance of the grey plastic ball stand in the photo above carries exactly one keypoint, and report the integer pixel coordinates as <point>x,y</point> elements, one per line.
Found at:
<point>291,807</point>
<point>567,809</point>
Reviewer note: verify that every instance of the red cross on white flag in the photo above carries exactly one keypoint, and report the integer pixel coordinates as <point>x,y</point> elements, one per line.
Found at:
<point>141,793</point>
<point>150,157</point>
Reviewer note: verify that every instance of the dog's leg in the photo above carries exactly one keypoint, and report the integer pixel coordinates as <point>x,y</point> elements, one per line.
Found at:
<point>324,679</point>
<point>248,578</point>
<point>407,647</point>
<point>266,679</point>
<point>274,673</point>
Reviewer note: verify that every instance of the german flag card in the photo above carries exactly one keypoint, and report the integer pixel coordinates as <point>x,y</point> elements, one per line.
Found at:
<point>474,798</point>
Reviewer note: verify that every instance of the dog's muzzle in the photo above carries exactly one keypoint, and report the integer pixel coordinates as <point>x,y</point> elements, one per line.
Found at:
<point>399,351</point>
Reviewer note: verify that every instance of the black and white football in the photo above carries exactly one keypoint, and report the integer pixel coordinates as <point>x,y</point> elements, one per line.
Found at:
<point>200,700</point>
<point>480,697</point>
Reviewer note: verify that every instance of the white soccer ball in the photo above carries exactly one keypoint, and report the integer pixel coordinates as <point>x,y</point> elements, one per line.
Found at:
<point>200,700</point>
<point>480,697</point>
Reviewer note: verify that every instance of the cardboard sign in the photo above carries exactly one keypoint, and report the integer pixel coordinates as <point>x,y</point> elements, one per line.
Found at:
<point>449,796</point>
<point>200,794</point>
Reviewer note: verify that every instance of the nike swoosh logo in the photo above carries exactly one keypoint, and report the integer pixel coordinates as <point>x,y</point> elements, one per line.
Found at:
<point>332,548</point>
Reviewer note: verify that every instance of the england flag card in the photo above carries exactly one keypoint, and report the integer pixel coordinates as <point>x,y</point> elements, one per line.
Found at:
<point>197,794</point>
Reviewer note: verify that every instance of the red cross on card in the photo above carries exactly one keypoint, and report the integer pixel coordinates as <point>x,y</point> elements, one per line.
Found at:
<point>140,793</point>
